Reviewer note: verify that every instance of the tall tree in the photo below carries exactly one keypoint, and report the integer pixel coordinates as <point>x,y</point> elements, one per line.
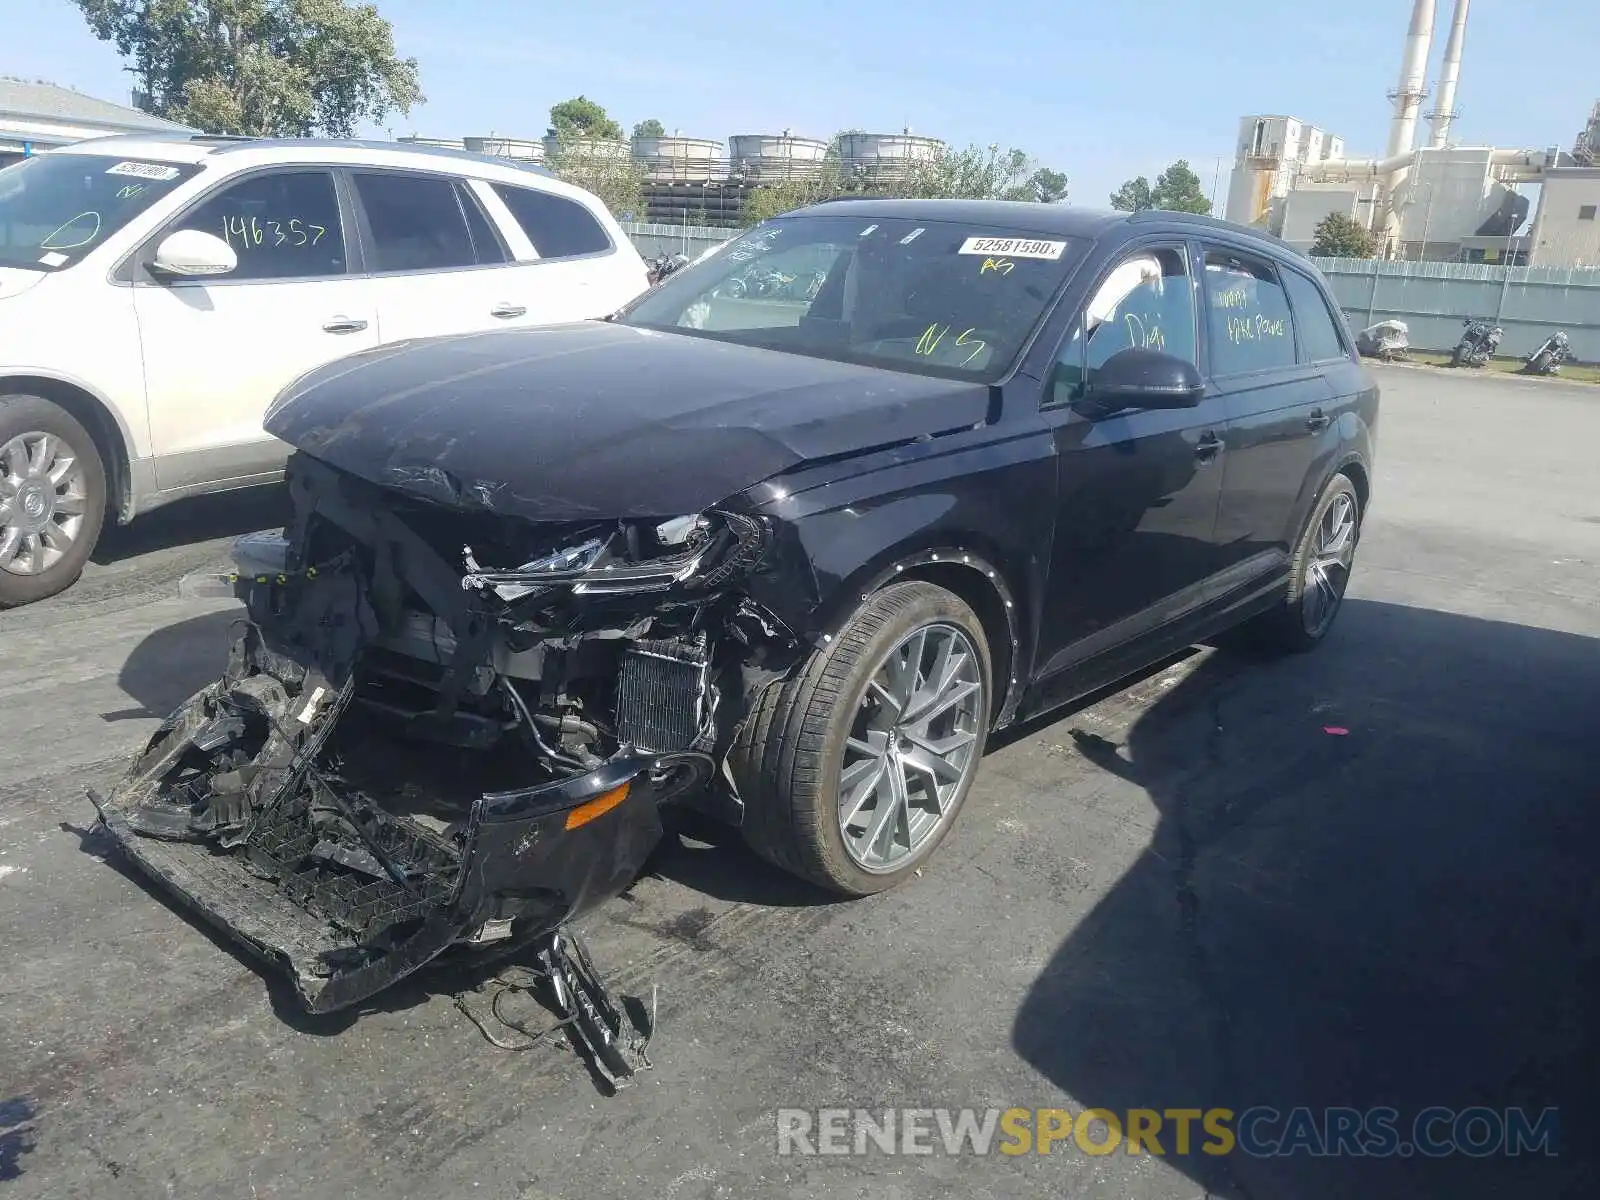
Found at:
<point>649,128</point>
<point>260,67</point>
<point>1339,235</point>
<point>1047,186</point>
<point>581,117</point>
<point>1178,190</point>
<point>1133,196</point>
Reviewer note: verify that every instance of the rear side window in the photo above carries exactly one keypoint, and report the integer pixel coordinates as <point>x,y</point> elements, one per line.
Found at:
<point>557,227</point>
<point>282,225</point>
<point>1248,314</point>
<point>1319,328</point>
<point>416,223</point>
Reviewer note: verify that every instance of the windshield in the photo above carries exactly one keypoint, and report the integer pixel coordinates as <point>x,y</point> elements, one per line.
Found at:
<point>55,208</point>
<point>935,297</point>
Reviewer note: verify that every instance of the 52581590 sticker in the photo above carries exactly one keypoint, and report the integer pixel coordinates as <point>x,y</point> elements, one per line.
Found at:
<point>1013,247</point>
<point>140,170</point>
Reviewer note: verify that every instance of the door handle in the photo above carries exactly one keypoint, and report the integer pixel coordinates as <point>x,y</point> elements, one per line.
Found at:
<point>344,325</point>
<point>508,310</point>
<point>1318,421</point>
<point>1208,447</point>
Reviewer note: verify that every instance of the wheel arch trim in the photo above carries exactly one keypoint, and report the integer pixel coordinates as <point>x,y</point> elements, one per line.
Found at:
<point>108,427</point>
<point>982,573</point>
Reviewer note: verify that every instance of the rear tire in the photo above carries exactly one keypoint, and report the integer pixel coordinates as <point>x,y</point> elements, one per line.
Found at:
<point>834,736</point>
<point>1319,573</point>
<point>52,499</point>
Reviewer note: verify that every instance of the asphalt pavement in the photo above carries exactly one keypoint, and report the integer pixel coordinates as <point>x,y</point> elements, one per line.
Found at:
<point>1357,878</point>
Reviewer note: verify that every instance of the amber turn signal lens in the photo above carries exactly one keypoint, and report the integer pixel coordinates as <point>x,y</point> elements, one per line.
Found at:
<point>598,807</point>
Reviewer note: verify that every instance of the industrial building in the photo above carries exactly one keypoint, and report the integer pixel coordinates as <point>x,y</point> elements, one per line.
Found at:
<point>36,116</point>
<point>702,181</point>
<point>1439,201</point>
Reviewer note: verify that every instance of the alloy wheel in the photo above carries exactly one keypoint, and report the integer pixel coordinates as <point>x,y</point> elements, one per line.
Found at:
<point>911,747</point>
<point>1327,570</point>
<point>43,502</point>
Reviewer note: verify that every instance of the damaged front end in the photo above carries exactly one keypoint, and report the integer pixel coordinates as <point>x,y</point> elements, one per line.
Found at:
<point>413,750</point>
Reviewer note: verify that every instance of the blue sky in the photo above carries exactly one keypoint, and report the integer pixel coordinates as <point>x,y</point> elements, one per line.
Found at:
<point>1102,92</point>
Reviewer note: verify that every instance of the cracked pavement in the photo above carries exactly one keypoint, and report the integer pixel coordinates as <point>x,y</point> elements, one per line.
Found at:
<point>1186,893</point>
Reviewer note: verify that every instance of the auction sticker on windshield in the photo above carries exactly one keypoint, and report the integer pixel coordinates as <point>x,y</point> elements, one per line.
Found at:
<point>144,170</point>
<point>1012,247</point>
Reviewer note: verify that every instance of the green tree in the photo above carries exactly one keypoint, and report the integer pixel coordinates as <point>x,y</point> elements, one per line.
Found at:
<point>976,173</point>
<point>649,128</point>
<point>1178,190</point>
<point>1339,235</point>
<point>1133,196</point>
<point>604,167</point>
<point>260,67</point>
<point>1047,186</point>
<point>581,117</point>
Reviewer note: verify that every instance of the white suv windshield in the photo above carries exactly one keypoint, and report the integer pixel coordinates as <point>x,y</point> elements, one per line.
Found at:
<point>934,297</point>
<point>55,208</point>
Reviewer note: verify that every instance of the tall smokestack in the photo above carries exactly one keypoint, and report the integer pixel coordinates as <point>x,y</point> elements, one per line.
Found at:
<point>1408,94</point>
<point>1445,111</point>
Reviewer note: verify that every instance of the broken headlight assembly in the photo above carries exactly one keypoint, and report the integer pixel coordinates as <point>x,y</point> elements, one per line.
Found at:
<point>417,749</point>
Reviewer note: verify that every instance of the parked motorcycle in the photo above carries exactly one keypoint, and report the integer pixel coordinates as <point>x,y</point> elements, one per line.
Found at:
<point>1547,359</point>
<point>1479,341</point>
<point>1387,341</point>
<point>663,265</point>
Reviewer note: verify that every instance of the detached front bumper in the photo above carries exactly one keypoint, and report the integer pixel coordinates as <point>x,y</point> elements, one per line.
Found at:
<point>348,916</point>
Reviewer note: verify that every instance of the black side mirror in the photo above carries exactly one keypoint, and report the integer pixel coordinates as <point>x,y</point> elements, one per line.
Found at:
<point>1140,378</point>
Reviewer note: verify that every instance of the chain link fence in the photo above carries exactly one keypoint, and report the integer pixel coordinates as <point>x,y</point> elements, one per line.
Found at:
<point>1433,299</point>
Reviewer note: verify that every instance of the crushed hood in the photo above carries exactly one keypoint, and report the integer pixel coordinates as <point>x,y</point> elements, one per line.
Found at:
<point>599,420</point>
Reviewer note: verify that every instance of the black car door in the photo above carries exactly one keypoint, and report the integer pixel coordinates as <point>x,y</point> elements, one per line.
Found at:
<point>1277,407</point>
<point>1138,489</point>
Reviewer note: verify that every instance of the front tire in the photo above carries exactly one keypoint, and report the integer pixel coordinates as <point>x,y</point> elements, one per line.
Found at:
<point>854,770</point>
<point>52,499</point>
<point>1319,573</point>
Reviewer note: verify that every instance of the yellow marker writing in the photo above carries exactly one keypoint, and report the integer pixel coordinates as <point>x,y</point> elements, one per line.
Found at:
<point>931,337</point>
<point>978,345</point>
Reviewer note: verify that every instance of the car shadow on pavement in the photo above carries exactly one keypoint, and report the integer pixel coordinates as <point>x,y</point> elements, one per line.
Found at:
<point>173,663</point>
<point>1372,884</point>
<point>199,519</point>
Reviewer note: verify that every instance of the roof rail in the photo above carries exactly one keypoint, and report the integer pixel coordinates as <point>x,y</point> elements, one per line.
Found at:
<point>1208,222</point>
<point>531,166</point>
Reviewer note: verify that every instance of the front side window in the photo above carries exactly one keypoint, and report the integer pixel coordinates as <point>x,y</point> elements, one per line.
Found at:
<point>941,297</point>
<point>1318,326</point>
<point>1248,314</point>
<point>281,225</point>
<point>1146,303</point>
<point>416,223</point>
<point>55,208</point>
<point>557,227</point>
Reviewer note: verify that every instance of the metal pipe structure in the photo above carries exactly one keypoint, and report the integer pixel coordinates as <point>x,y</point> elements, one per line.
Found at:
<point>1408,94</point>
<point>1449,73</point>
<point>1526,165</point>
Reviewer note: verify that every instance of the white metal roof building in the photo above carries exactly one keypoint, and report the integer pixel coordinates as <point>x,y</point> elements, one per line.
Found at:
<point>38,116</point>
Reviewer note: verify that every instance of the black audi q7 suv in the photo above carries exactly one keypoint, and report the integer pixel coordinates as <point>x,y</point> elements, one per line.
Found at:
<point>790,557</point>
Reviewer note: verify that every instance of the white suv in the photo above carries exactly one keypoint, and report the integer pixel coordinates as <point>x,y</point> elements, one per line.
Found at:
<point>157,293</point>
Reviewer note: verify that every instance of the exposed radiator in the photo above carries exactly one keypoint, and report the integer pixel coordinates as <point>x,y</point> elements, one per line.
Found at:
<point>661,690</point>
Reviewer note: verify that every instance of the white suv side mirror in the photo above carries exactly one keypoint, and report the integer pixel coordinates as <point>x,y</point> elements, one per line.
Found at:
<point>191,252</point>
